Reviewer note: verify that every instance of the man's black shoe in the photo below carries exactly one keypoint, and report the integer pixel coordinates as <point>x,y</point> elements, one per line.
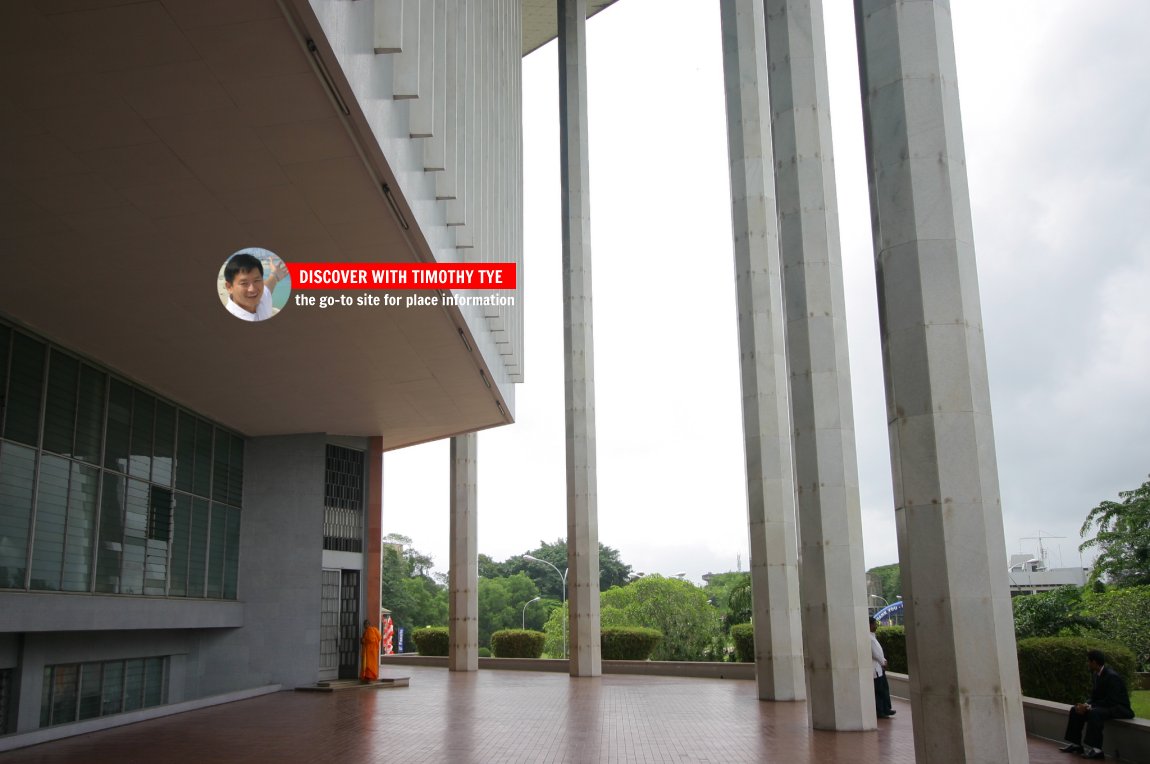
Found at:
<point>1072,748</point>
<point>1095,754</point>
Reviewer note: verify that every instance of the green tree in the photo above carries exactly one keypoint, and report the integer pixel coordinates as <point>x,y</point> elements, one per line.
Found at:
<point>730,593</point>
<point>1050,614</point>
<point>1122,538</point>
<point>489,568</point>
<point>414,598</point>
<point>612,570</point>
<point>1123,615</point>
<point>501,602</point>
<point>678,609</point>
<point>890,578</point>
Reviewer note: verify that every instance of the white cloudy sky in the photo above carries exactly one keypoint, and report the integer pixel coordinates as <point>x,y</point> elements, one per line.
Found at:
<point>1056,108</point>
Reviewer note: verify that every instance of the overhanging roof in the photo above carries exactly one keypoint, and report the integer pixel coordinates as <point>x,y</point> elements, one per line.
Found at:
<point>540,21</point>
<point>141,143</point>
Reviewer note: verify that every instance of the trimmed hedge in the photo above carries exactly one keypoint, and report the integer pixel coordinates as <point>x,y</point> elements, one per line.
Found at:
<point>628,643</point>
<point>744,636</point>
<point>485,652</point>
<point>517,643</point>
<point>893,641</point>
<point>433,640</point>
<point>1054,668</point>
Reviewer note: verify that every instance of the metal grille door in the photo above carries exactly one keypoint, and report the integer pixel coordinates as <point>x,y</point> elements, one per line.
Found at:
<point>349,631</point>
<point>329,622</point>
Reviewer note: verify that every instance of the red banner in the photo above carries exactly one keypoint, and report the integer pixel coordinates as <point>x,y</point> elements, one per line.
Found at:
<point>331,276</point>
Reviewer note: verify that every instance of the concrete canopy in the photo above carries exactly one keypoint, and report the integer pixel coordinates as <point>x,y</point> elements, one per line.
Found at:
<point>141,144</point>
<point>540,24</point>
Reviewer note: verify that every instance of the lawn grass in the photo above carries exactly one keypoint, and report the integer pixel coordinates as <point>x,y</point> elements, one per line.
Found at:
<point>1140,702</point>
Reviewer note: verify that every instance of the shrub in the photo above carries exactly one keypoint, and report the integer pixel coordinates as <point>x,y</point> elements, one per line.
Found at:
<point>517,643</point>
<point>1123,615</point>
<point>1054,668</point>
<point>744,636</point>
<point>484,652</point>
<point>628,643</point>
<point>893,641</point>
<point>433,640</point>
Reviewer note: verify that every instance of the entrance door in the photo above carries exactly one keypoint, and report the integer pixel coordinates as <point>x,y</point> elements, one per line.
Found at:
<point>349,625</point>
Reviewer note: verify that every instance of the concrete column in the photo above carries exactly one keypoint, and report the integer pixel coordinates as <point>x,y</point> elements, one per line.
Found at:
<point>463,577</point>
<point>964,685</point>
<point>766,415</point>
<point>373,528</point>
<point>832,574</point>
<point>578,349</point>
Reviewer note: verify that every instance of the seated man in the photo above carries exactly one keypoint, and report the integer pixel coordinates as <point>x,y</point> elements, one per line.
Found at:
<point>1108,700</point>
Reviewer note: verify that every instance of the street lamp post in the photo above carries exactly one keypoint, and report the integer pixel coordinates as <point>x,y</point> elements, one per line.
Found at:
<point>563,578</point>
<point>884,602</point>
<point>523,620</point>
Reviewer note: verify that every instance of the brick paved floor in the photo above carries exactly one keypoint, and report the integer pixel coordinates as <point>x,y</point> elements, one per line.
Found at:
<point>501,717</point>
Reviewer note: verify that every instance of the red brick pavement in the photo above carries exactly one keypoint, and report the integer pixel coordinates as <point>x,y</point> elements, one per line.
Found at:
<point>500,717</point>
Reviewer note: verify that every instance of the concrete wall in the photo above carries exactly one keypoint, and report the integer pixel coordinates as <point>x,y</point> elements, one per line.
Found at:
<point>281,556</point>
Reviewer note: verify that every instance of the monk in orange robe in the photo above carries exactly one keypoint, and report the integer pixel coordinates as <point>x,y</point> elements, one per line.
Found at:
<point>370,641</point>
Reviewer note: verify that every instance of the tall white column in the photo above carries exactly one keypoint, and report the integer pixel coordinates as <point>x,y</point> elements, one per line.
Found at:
<point>578,348</point>
<point>964,685</point>
<point>766,415</point>
<point>463,578</point>
<point>832,574</point>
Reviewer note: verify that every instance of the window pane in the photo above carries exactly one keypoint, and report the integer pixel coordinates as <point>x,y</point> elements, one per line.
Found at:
<point>232,554</point>
<point>135,535</point>
<point>46,698</point>
<point>181,530</point>
<point>220,471</point>
<point>90,676</point>
<point>164,447</point>
<point>185,451</point>
<point>159,532</point>
<point>60,411</point>
<point>153,682</point>
<point>113,692</point>
<point>81,528</point>
<point>198,548</point>
<point>133,684</point>
<point>143,418</point>
<point>119,426</point>
<point>202,485</point>
<point>25,389</point>
<point>65,682</point>
<point>51,514</point>
<point>90,415</point>
<point>17,465</point>
<point>5,345</point>
<point>236,472</point>
<point>110,551</point>
<point>216,546</point>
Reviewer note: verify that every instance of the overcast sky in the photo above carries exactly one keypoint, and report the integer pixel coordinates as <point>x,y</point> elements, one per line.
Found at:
<point>1056,111</point>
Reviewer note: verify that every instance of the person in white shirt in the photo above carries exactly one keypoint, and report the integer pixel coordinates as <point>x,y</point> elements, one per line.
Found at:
<point>249,293</point>
<point>881,687</point>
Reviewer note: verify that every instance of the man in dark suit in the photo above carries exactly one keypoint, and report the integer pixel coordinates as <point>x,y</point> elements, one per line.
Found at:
<point>1108,700</point>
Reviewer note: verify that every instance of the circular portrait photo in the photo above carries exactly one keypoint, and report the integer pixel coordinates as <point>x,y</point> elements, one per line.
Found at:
<point>254,284</point>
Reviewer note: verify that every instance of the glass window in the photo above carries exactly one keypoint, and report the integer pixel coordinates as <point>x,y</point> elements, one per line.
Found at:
<point>154,681</point>
<point>143,419</point>
<point>119,426</point>
<point>17,467</point>
<point>220,471</point>
<point>90,679</point>
<point>25,390</point>
<point>90,415</point>
<point>81,528</point>
<point>5,344</point>
<point>133,684</point>
<point>216,544</point>
<point>60,409</point>
<point>164,448</point>
<point>112,695</point>
<point>110,551</point>
<point>135,534</point>
<point>232,553</point>
<point>181,531</point>
<point>159,532</point>
<point>202,484</point>
<point>185,451</point>
<point>236,472</point>
<point>51,517</point>
<point>198,548</point>
<point>65,686</point>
